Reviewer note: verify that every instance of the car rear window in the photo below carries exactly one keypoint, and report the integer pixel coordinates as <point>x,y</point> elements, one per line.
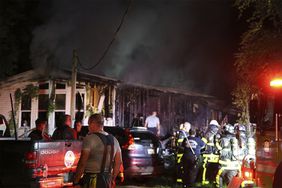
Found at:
<point>145,138</point>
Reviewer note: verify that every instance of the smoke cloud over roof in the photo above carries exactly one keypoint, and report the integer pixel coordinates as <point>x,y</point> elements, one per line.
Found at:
<point>183,43</point>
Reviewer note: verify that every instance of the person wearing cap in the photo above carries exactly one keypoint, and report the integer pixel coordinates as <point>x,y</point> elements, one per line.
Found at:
<point>210,156</point>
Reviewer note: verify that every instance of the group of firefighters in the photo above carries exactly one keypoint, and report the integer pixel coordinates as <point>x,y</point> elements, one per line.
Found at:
<point>214,157</point>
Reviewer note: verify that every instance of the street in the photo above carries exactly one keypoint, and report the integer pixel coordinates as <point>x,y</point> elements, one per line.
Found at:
<point>268,158</point>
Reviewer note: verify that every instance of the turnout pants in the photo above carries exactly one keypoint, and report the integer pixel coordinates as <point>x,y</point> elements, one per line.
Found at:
<point>228,169</point>
<point>226,176</point>
<point>210,168</point>
<point>99,180</point>
<point>190,168</point>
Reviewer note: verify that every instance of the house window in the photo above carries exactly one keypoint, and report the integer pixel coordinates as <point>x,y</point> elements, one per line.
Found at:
<point>61,98</point>
<point>25,110</point>
<point>60,102</point>
<point>60,86</point>
<point>44,86</point>
<point>60,109</point>
<point>43,100</point>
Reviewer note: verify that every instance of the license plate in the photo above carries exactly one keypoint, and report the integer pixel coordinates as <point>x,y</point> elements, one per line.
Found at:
<point>146,173</point>
<point>151,151</point>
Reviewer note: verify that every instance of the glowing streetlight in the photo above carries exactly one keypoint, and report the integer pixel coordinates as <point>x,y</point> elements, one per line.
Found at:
<point>276,82</point>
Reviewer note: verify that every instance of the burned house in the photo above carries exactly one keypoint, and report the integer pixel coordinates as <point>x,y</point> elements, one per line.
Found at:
<point>37,95</point>
<point>174,106</point>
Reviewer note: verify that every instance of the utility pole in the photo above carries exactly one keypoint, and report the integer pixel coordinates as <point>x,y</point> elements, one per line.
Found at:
<point>73,84</point>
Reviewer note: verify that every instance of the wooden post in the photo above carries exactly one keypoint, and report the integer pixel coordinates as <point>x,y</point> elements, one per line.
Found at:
<point>13,116</point>
<point>73,84</point>
<point>276,127</point>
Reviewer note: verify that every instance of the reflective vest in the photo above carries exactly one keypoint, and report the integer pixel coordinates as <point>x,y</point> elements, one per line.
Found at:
<point>180,138</point>
<point>208,158</point>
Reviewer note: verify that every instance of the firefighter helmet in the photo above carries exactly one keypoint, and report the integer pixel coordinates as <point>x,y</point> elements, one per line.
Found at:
<point>229,129</point>
<point>214,122</point>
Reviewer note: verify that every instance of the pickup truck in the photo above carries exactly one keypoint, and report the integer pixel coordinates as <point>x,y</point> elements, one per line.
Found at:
<point>27,163</point>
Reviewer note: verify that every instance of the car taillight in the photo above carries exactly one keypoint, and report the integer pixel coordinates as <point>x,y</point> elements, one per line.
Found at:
<point>130,139</point>
<point>30,159</point>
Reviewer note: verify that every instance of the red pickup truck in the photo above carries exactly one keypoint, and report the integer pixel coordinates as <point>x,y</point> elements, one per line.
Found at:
<point>26,163</point>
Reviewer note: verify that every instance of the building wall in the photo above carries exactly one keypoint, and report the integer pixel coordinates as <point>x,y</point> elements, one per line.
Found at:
<point>106,107</point>
<point>5,102</point>
<point>122,104</point>
<point>173,109</point>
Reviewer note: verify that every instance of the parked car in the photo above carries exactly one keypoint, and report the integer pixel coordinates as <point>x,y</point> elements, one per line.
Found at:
<point>140,151</point>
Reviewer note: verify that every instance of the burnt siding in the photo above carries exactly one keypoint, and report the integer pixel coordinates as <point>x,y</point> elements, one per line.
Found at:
<point>173,109</point>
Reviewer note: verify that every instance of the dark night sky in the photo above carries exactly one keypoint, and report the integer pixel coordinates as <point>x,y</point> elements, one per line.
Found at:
<point>181,43</point>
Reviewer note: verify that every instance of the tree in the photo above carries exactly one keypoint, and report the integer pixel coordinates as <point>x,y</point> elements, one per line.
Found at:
<point>260,52</point>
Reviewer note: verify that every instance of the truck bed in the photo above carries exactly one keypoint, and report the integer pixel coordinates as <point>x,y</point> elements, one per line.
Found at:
<point>26,163</point>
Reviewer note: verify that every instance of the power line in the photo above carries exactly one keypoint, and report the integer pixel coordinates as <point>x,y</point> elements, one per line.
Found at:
<point>111,42</point>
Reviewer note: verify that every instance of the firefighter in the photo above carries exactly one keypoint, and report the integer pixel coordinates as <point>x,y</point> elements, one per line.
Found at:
<point>211,137</point>
<point>228,159</point>
<point>191,159</point>
<point>210,156</point>
<point>181,135</point>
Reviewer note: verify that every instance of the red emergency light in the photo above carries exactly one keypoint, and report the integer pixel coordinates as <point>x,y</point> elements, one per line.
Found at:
<point>248,175</point>
<point>277,82</point>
